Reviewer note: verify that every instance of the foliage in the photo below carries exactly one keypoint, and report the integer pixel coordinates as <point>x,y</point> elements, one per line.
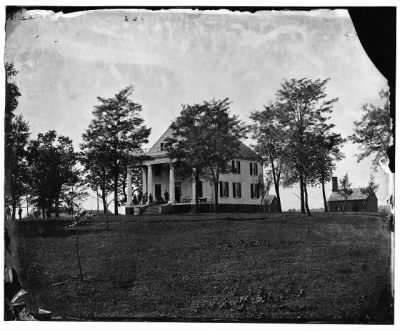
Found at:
<point>372,185</point>
<point>345,189</point>
<point>372,132</point>
<point>12,95</point>
<point>304,111</point>
<point>18,179</point>
<point>113,138</point>
<point>272,143</point>
<point>52,166</point>
<point>205,137</point>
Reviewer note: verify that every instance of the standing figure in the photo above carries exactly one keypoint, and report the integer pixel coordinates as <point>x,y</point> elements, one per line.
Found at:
<point>150,198</point>
<point>166,196</point>
<point>20,212</point>
<point>140,196</point>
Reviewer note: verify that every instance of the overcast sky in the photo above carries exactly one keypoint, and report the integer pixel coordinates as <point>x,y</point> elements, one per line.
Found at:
<point>174,58</point>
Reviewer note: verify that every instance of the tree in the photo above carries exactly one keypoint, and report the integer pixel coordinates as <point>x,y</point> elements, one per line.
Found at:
<point>372,186</point>
<point>372,132</point>
<point>327,146</point>
<point>96,174</point>
<point>12,95</point>
<point>52,166</point>
<point>303,106</point>
<point>345,189</point>
<point>115,134</point>
<point>271,137</point>
<point>18,179</point>
<point>205,137</point>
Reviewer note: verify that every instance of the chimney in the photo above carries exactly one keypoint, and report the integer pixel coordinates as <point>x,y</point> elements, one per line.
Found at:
<point>334,184</point>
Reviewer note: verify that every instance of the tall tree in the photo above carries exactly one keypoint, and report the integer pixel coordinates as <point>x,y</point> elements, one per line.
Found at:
<point>52,165</point>
<point>18,181</point>
<point>271,146</point>
<point>345,189</point>
<point>327,146</point>
<point>206,137</point>
<point>372,132</point>
<point>304,105</point>
<point>116,132</point>
<point>10,125</point>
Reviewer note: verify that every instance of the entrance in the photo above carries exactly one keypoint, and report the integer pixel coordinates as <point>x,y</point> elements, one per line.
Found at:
<point>178,191</point>
<point>157,192</point>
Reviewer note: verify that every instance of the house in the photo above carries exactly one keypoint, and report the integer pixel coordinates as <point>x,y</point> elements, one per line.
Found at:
<point>238,190</point>
<point>360,199</point>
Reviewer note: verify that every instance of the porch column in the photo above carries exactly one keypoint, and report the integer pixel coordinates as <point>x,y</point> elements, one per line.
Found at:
<point>129,191</point>
<point>171,183</point>
<point>144,180</point>
<point>194,191</point>
<point>150,182</point>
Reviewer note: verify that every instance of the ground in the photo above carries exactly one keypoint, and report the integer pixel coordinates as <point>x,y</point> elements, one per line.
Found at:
<point>332,268</point>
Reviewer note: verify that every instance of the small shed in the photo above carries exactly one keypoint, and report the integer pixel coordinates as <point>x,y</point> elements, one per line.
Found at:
<point>270,203</point>
<point>361,199</point>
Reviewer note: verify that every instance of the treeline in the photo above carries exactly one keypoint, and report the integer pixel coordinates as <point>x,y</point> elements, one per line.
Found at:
<point>295,141</point>
<point>47,174</point>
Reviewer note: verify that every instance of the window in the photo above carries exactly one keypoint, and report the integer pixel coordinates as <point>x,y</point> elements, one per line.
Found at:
<point>162,148</point>
<point>236,167</point>
<point>253,169</point>
<point>224,189</point>
<point>254,191</point>
<point>237,190</point>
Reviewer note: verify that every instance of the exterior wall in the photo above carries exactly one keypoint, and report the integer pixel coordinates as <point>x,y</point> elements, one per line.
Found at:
<point>370,205</point>
<point>246,180</point>
<point>208,188</point>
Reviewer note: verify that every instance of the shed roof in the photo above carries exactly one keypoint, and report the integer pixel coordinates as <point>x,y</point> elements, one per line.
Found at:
<point>358,193</point>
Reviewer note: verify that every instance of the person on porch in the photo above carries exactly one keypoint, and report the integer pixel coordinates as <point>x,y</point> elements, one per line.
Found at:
<point>166,196</point>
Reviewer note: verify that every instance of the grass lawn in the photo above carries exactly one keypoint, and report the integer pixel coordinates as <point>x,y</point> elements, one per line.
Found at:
<point>331,268</point>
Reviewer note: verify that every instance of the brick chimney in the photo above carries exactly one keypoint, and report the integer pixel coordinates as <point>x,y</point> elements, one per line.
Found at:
<point>334,184</point>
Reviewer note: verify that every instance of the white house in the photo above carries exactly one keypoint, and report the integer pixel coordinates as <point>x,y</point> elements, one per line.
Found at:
<point>239,190</point>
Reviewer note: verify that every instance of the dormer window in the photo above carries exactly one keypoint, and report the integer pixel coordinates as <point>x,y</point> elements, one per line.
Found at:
<point>162,147</point>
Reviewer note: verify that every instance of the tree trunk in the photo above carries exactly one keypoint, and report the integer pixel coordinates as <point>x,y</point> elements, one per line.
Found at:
<point>56,207</point>
<point>306,199</point>
<point>116,194</point>
<point>97,198</point>
<point>215,181</point>
<point>302,194</point>
<point>276,184</point>
<point>14,208</point>
<point>104,200</point>
<point>324,195</point>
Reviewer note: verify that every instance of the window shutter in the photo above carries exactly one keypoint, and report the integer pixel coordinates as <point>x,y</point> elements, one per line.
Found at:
<point>251,189</point>
<point>221,193</point>
<point>255,169</point>
<point>234,190</point>
<point>240,190</point>
<point>227,189</point>
<point>238,167</point>
<point>233,166</point>
<point>251,169</point>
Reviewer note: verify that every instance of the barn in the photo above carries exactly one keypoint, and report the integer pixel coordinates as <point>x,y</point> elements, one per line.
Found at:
<point>360,199</point>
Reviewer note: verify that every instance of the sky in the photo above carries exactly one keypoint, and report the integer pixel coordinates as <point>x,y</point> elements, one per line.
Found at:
<point>173,57</point>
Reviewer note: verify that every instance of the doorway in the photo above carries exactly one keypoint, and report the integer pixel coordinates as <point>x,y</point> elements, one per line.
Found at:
<point>157,192</point>
<point>178,191</point>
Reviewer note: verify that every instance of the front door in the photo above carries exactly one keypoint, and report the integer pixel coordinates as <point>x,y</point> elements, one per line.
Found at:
<point>178,191</point>
<point>157,192</point>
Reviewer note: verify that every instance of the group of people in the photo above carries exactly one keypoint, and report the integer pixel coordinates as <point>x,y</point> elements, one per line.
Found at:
<point>141,199</point>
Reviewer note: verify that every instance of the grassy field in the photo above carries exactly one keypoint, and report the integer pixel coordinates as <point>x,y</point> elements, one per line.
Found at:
<point>331,268</point>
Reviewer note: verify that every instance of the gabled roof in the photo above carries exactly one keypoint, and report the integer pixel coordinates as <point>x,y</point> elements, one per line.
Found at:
<point>245,152</point>
<point>357,194</point>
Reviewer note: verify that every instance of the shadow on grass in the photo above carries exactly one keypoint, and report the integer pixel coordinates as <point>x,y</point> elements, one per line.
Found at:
<point>57,232</point>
